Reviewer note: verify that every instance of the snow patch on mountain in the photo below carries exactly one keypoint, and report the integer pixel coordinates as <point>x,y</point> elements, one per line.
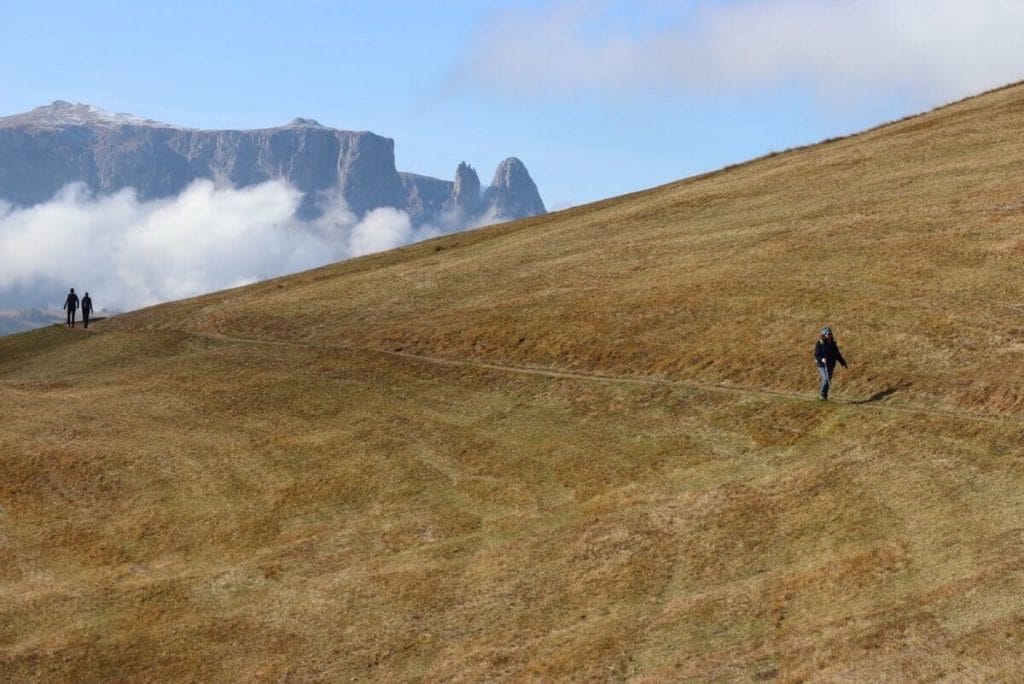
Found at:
<point>61,114</point>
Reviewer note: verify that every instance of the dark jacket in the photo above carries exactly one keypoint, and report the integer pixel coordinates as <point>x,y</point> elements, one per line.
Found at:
<point>86,304</point>
<point>829,351</point>
<point>71,303</point>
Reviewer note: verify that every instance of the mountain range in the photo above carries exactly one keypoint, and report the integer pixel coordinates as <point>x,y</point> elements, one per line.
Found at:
<point>51,146</point>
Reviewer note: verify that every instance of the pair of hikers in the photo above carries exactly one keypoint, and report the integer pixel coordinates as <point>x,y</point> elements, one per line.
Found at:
<point>71,305</point>
<point>826,355</point>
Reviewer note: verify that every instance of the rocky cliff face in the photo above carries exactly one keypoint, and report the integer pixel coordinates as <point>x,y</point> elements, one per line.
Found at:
<point>425,197</point>
<point>513,193</point>
<point>465,201</point>
<point>45,149</point>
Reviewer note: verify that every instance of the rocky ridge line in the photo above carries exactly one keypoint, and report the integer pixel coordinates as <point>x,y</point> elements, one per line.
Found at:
<point>49,147</point>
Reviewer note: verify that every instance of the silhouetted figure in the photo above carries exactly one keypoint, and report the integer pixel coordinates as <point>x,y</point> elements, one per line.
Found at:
<point>826,354</point>
<point>71,304</point>
<point>86,309</point>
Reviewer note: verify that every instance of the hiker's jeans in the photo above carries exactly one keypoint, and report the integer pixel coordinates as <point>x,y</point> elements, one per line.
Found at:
<point>826,378</point>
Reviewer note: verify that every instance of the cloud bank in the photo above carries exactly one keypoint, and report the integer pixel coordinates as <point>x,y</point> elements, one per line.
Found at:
<point>129,253</point>
<point>931,50</point>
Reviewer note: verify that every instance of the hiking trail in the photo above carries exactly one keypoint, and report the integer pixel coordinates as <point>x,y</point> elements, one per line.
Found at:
<point>567,374</point>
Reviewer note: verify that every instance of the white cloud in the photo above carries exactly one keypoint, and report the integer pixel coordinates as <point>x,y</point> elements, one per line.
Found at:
<point>933,50</point>
<point>128,253</point>
<point>381,229</point>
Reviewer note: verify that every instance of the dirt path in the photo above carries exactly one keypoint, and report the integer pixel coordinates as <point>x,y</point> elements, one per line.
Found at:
<point>567,374</point>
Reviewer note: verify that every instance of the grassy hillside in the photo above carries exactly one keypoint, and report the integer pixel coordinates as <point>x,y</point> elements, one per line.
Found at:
<point>579,446</point>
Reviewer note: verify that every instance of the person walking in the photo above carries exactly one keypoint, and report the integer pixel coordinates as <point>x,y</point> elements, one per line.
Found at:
<point>826,354</point>
<point>71,304</point>
<point>86,309</point>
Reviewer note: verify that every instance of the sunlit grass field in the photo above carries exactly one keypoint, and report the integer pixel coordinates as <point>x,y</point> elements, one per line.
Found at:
<point>582,446</point>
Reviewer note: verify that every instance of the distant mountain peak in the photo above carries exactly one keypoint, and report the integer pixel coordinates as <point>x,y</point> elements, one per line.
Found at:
<point>466,191</point>
<point>510,165</point>
<point>300,122</point>
<point>513,193</point>
<point>62,114</point>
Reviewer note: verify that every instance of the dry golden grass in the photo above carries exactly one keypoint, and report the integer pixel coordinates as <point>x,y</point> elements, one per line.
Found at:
<point>581,446</point>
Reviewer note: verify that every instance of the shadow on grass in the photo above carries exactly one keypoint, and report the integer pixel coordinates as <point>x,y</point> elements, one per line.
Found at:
<point>879,396</point>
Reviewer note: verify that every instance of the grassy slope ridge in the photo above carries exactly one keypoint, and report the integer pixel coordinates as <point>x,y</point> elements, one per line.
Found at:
<point>580,445</point>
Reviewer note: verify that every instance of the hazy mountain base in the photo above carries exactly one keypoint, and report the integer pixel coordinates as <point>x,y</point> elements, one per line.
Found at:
<point>19,320</point>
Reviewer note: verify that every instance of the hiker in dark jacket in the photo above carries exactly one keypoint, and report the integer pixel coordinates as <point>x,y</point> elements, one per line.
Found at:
<point>71,304</point>
<point>826,354</point>
<point>86,309</point>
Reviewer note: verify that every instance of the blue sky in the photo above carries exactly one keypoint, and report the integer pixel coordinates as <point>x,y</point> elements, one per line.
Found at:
<point>598,98</point>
